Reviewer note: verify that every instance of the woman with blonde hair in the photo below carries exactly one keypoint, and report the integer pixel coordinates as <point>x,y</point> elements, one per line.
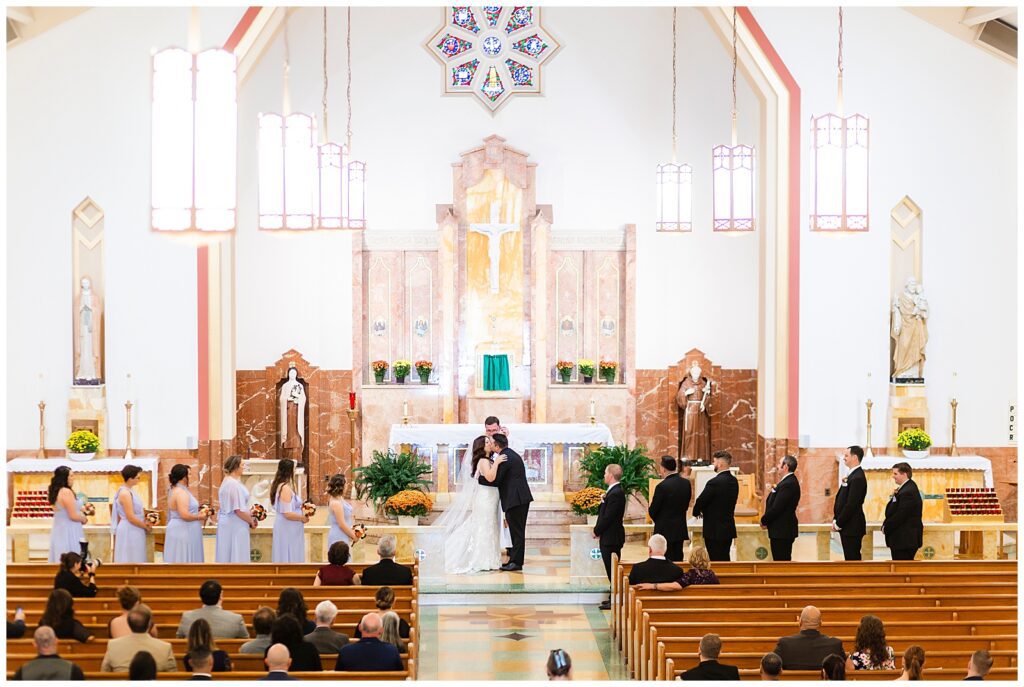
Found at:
<point>700,572</point>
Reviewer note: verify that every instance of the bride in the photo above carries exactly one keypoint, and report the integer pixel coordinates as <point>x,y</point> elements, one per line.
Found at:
<point>471,522</point>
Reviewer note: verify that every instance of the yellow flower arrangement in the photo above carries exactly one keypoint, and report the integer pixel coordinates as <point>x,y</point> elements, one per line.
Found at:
<point>587,501</point>
<point>408,502</point>
<point>586,366</point>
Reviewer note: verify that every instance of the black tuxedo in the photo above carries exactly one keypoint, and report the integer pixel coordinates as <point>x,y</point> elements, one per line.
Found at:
<point>711,670</point>
<point>611,534</point>
<point>386,573</point>
<point>668,511</point>
<point>780,517</point>
<point>717,505</point>
<point>655,570</point>
<point>515,495</point>
<point>903,528</point>
<point>848,512</point>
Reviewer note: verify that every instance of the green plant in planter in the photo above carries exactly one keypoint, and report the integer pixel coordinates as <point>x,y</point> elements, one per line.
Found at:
<point>83,441</point>
<point>637,468</point>
<point>914,439</point>
<point>389,473</point>
<point>401,368</point>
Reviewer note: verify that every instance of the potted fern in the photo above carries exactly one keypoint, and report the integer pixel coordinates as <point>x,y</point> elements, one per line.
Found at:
<point>637,468</point>
<point>82,445</point>
<point>388,474</point>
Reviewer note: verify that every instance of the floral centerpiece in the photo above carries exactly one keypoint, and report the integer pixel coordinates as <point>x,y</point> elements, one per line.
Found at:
<point>258,512</point>
<point>380,368</point>
<point>82,445</point>
<point>587,501</point>
<point>408,503</point>
<point>423,369</point>
<point>586,366</point>
<point>609,370</point>
<point>564,368</point>
<point>402,369</point>
<point>914,442</point>
<point>309,509</point>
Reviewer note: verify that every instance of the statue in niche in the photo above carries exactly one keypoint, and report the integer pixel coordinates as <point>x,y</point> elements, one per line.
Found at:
<point>87,318</point>
<point>694,422</point>
<point>909,332</point>
<point>292,413</point>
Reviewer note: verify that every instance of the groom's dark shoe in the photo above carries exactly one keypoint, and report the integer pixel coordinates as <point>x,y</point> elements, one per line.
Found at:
<point>511,567</point>
<point>605,605</point>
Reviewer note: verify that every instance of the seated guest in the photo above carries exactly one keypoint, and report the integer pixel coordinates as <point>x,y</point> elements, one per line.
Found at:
<point>278,662</point>
<point>199,637</point>
<point>389,631</point>
<point>336,573</point>
<point>202,664</point>
<point>16,630</point>
<point>710,668</point>
<point>223,624</point>
<point>979,665</point>
<point>262,621</point>
<point>60,615</point>
<point>913,663</point>
<point>122,650</point>
<point>286,631</point>
<point>386,571</point>
<point>385,599</point>
<point>47,665</point>
<point>806,650</point>
<point>559,665</point>
<point>700,572</point>
<point>870,652</point>
<point>833,668</point>
<point>326,640</point>
<point>291,601</point>
<point>68,576</point>
<point>771,667</point>
<point>129,597</point>
<point>142,667</point>
<point>656,568</point>
<point>369,653</point>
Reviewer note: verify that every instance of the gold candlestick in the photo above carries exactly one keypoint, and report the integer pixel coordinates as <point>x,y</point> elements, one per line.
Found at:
<point>352,412</point>
<point>867,443</point>
<point>128,430</point>
<point>42,432</point>
<point>952,443</point>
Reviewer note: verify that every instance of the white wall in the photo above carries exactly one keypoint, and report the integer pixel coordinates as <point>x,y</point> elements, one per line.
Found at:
<point>943,124</point>
<point>78,125</point>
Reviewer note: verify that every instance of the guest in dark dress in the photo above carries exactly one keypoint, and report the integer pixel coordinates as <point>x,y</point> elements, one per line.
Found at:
<point>291,602</point>
<point>60,615</point>
<point>286,631</point>
<point>336,573</point>
<point>201,637</point>
<point>385,599</point>
<point>67,577</point>
<point>700,572</point>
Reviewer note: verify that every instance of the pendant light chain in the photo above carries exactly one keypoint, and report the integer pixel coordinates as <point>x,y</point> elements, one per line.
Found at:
<point>675,138</point>
<point>839,63</point>
<point>734,63</point>
<point>326,137</point>
<point>286,93</point>
<point>348,78</point>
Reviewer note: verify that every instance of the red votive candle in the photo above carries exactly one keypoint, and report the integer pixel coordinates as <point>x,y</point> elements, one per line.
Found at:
<point>352,400</point>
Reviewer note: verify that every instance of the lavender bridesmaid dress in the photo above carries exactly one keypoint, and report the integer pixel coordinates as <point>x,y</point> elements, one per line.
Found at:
<point>336,533</point>
<point>232,531</point>
<point>130,540</point>
<point>66,533</point>
<point>183,542</point>
<point>289,544</point>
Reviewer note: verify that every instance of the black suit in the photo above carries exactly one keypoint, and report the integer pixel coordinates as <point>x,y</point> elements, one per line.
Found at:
<point>780,517</point>
<point>807,650</point>
<point>278,675</point>
<point>711,670</point>
<point>514,492</point>
<point>903,528</point>
<point>668,511</point>
<point>848,513</point>
<point>369,653</point>
<point>717,505</point>
<point>386,573</point>
<point>655,570</point>
<point>611,534</point>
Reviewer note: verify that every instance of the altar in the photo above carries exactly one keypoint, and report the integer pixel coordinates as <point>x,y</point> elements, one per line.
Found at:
<point>551,451</point>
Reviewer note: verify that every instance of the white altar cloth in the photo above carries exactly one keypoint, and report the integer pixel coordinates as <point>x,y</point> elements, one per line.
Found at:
<point>930,463</point>
<point>150,464</point>
<point>519,435</point>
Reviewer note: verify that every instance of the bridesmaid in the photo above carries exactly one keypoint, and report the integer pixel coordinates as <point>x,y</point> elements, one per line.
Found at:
<point>339,513</point>
<point>233,518</point>
<point>289,544</point>
<point>127,523</point>
<point>67,534</point>
<point>183,542</point>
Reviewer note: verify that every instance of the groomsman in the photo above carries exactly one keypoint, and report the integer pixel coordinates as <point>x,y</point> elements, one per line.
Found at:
<point>903,528</point>
<point>668,508</point>
<point>780,511</point>
<point>717,505</point>
<point>848,511</point>
<point>608,529</point>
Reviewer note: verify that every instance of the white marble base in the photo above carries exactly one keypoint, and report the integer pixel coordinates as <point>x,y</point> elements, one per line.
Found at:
<point>258,475</point>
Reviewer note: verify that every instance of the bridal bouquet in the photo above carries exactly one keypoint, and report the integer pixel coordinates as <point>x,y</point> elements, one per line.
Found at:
<point>205,511</point>
<point>309,509</point>
<point>88,509</point>
<point>258,512</point>
<point>153,517</point>
<point>360,532</point>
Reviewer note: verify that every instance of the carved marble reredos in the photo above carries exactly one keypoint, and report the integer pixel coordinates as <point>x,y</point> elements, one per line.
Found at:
<point>586,239</point>
<point>494,154</point>
<point>403,240</point>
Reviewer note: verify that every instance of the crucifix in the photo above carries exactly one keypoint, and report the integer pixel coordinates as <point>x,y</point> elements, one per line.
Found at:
<point>493,231</point>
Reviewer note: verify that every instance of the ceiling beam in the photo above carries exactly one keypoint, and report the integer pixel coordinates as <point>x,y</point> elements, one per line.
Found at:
<point>979,15</point>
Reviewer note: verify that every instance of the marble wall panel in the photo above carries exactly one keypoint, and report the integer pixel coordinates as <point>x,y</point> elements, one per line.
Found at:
<point>571,403</point>
<point>566,329</point>
<point>422,309</point>
<point>653,412</point>
<point>384,279</point>
<point>605,323</point>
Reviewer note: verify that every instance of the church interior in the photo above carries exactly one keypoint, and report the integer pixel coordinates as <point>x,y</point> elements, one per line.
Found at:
<point>356,237</point>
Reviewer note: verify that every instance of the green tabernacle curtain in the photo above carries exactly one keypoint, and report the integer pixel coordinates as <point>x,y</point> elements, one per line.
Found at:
<point>496,376</point>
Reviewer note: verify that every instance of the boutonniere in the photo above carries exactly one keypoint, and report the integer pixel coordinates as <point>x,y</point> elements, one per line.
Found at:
<point>602,499</point>
<point>773,487</point>
<point>845,480</point>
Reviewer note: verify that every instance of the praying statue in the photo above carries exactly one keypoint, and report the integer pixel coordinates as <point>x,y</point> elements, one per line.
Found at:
<point>694,421</point>
<point>909,331</point>
<point>88,321</point>
<point>292,410</point>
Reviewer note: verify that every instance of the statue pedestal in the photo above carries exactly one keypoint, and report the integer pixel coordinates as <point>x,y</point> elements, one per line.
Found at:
<point>908,407</point>
<point>87,409</point>
<point>257,476</point>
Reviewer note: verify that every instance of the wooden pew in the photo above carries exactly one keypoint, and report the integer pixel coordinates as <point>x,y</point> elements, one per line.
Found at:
<point>751,660</point>
<point>374,676</point>
<point>91,662</point>
<point>879,675</point>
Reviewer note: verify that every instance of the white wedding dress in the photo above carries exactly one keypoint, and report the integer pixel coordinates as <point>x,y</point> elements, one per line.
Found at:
<point>472,525</point>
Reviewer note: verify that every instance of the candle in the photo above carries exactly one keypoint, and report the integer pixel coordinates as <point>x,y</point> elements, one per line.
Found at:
<point>405,409</point>
<point>131,387</point>
<point>954,384</point>
<point>41,386</point>
<point>593,408</point>
<point>351,400</point>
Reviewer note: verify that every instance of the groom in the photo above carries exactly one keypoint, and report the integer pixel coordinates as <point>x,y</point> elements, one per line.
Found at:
<point>515,496</point>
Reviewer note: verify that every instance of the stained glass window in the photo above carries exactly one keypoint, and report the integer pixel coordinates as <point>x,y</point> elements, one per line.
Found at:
<point>839,170</point>
<point>463,16</point>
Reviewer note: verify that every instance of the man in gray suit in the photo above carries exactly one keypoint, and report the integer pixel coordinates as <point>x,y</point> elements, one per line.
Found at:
<point>223,624</point>
<point>326,640</point>
<point>806,651</point>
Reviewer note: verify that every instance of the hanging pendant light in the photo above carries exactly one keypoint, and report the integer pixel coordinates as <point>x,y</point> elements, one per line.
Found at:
<point>839,164</point>
<point>674,182</point>
<point>733,171</point>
